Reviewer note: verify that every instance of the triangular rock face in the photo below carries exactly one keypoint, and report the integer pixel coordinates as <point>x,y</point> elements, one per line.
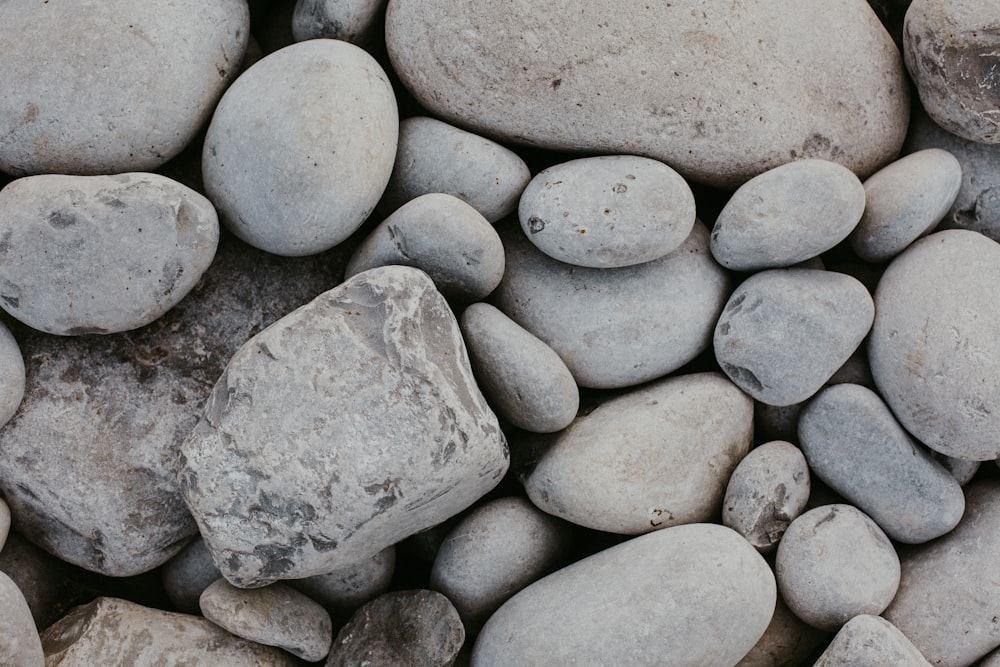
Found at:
<point>345,427</point>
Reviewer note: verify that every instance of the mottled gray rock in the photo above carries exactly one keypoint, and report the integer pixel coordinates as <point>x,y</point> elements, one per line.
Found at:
<point>112,87</point>
<point>342,591</point>
<point>616,327</point>
<point>353,21</point>
<point>434,156</point>
<point>47,583</point>
<point>188,574</point>
<point>402,628</point>
<point>768,489</point>
<point>870,641</point>
<point>494,552</point>
<point>101,254</point>
<point>276,615</point>
<point>950,49</point>
<point>834,563</point>
<point>442,236</point>
<point>12,375</point>
<point>785,332</point>
<point>385,433</point>
<point>608,211</point>
<point>905,200</point>
<point>654,457</point>
<point>523,378</point>
<point>19,642</point>
<point>297,179</point>
<point>855,445</point>
<point>787,641</point>
<point>934,352</point>
<point>787,215</point>
<point>668,590</point>
<point>109,631</point>
<point>734,97</point>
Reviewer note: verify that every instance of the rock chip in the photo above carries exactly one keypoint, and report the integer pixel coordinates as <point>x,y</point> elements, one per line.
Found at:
<point>12,375</point>
<point>112,87</point>
<point>616,327</point>
<point>297,179</point>
<point>384,433</point>
<point>787,641</point>
<point>871,641</point>
<point>342,591</point>
<point>608,211</point>
<point>19,642</point>
<point>101,254</point>
<point>710,578</point>
<point>354,21</point>
<point>188,574</point>
<point>787,215</point>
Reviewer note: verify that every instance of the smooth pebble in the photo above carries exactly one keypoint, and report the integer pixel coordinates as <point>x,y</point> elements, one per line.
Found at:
<point>188,574</point>
<point>354,21</point>
<point>20,645</point>
<point>342,591</point>
<point>871,641</point>
<point>12,377</point>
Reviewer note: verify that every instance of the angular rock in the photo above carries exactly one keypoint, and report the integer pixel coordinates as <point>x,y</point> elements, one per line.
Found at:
<point>383,432</point>
<point>787,641</point>
<point>20,645</point>
<point>297,179</point>
<point>871,641</point>
<point>342,591</point>
<point>12,375</point>
<point>188,574</point>
<point>101,254</point>
<point>354,21</point>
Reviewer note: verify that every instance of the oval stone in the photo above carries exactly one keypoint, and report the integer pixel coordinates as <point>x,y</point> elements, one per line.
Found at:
<point>345,589</point>
<point>186,576</point>
<point>20,645</point>
<point>11,375</point>
<point>871,640</point>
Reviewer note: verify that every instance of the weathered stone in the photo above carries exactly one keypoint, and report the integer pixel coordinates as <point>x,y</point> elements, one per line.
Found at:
<point>871,641</point>
<point>342,591</point>
<point>19,642</point>
<point>354,21</point>
<point>12,375</point>
<point>787,641</point>
<point>188,574</point>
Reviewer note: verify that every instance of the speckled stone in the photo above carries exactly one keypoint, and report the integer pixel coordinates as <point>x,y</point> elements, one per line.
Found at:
<point>871,641</point>
<point>12,375</point>
<point>188,574</point>
<point>20,645</point>
<point>354,21</point>
<point>342,591</point>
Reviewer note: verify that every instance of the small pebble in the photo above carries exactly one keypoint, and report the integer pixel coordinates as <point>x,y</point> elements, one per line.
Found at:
<point>188,574</point>
<point>342,591</point>
<point>11,375</point>
<point>48,584</point>
<point>871,641</point>
<point>20,645</point>
<point>353,21</point>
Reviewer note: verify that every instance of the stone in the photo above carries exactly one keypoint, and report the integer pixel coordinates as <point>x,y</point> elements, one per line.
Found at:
<point>19,641</point>
<point>385,433</point>
<point>961,469</point>
<point>951,51</point>
<point>110,631</point>
<point>834,563</point>
<point>276,615</point>
<point>416,627</point>
<point>768,489</point>
<point>4,523</point>
<point>523,378</point>
<point>905,200</point>
<point>991,660</point>
<point>442,236</point>
<point>297,179</point>
<point>187,575</point>
<point>12,378</point>
<point>356,21</point>
<point>434,156</point>
<point>740,90</point>
<point>101,254</point>
<point>787,215</point>
<point>786,641</point>
<point>709,577</point>
<point>608,211</point>
<point>616,327</point>
<point>855,445</point>
<point>343,591</point>
<point>785,332</point>
<point>49,585</point>
<point>870,641</point>
<point>495,551</point>
<point>934,354</point>
<point>653,457</point>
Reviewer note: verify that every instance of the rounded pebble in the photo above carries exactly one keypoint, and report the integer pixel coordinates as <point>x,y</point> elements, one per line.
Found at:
<point>786,642</point>
<point>353,21</point>
<point>20,645</point>
<point>11,375</point>
<point>342,591</point>
<point>188,574</point>
<point>871,640</point>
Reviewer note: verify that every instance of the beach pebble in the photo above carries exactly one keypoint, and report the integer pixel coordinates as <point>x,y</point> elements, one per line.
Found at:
<point>962,470</point>
<point>768,489</point>
<point>297,179</point>
<point>19,642</point>
<point>786,641</point>
<point>442,236</point>
<point>434,156</point>
<point>187,575</point>
<point>934,352</point>
<point>787,215</point>
<point>101,254</point>
<point>661,616</point>
<point>343,590</point>
<point>615,327</point>
<point>608,211</point>
<point>113,87</point>
<point>871,641</point>
<point>354,21</point>
<point>523,378</point>
<point>49,585</point>
<point>11,375</point>
<point>650,458</point>
<point>834,563</point>
<point>785,332</point>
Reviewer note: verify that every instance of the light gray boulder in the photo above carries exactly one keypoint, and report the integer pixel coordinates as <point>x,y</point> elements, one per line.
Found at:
<point>20,645</point>
<point>354,21</point>
<point>786,641</point>
<point>342,591</point>
<point>297,179</point>
<point>12,376</point>
<point>188,574</point>
<point>870,641</point>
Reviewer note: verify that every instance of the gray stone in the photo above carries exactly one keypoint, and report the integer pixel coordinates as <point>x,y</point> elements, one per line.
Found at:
<point>401,628</point>
<point>101,254</point>
<point>188,574</point>
<point>20,645</point>
<point>934,352</point>
<point>855,445</point>
<point>785,332</point>
<point>787,215</point>
<point>109,631</point>
<point>48,584</point>
<point>950,49</point>
<point>654,457</point>
<point>608,211</point>
<point>834,563</point>
<point>4,523</point>
<point>495,551</point>
<point>112,87</point>
<point>298,178</point>
<point>768,489</point>
<point>871,641</point>
<point>616,327</point>
<point>442,236</point>
<point>736,91</point>
<point>12,378</point>
<point>524,379</point>
<point>342,591</point>
<point>905,200</point>
<point>276,615</point>
<point>653,600</point>
<point>991,660</point>
<point>355,21</point>
<point>384,433</point>
<point>786,642</point>
<point>962,470</point>
<point>434,156</point>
